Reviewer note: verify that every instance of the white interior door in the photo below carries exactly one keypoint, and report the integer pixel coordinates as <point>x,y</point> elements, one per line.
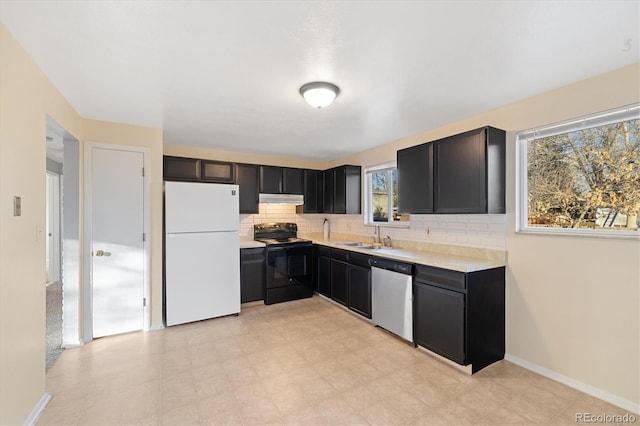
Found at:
<point>53,227</point>
<point>117,247</point>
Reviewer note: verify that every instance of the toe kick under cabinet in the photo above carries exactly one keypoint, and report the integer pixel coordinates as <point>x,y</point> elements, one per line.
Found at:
<point>460,316</point>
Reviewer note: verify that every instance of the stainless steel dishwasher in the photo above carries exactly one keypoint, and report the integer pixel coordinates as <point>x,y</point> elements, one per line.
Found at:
<point>392,296</point>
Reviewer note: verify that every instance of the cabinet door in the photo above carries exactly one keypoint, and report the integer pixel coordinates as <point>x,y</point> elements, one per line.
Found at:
<point>415,179</point>
<point>217,171</point>
<point>252,267</point>
<point>312,191</point>
<point>340,191</point>
<point>324,275</point>
<point>353,187</point>
<point>328,188</point>
<point>179,168</point>
<point>460,173</point>
<point>340,281</point>
<point>270,180</point>
<point>439,321</point>
<point>360,290</point>
<point>247,178</point>
<point>292,181</point>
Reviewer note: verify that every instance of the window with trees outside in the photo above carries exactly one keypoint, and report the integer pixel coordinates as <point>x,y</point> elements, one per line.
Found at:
<point>382,194</point>
<point>582,176</point>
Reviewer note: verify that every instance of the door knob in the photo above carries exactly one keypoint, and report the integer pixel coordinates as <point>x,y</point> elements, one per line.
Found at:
<point>103,253</point>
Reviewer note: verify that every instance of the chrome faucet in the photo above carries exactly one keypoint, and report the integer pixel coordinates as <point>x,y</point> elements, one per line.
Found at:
<point>377,237</point>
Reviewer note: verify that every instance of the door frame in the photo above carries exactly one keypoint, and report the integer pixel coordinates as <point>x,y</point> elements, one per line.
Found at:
<point>87,302</point>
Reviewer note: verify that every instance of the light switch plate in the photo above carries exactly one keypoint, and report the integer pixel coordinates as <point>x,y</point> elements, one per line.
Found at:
<point>17,206</point>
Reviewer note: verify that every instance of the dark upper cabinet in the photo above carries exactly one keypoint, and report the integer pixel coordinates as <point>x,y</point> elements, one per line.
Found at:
<point>217,171</point>
<point>280,180</point>
<point>270,180</point>
<point>342,190</point>
<point>469,172</point>
<point>415,179</point>
<point>179,168</point>
<point>292,181</point>
<point>327,185</point>
<point>252,274</point>
<point>248,180</point>
<point>313,191</point>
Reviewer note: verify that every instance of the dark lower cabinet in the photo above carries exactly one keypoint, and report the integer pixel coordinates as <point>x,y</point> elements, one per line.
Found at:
<point>440,321</point>
<point>340,281</point>
<point>360,290</point>
<point>460,316</point>
<point>252,274</point>
<point>248,180</point>
<point>324,272</point>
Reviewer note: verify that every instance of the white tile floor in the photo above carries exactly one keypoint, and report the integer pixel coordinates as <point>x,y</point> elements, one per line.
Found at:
<point>304,362</point>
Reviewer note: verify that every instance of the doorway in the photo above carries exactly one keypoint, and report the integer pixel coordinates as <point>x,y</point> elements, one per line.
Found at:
<point>61,182</point>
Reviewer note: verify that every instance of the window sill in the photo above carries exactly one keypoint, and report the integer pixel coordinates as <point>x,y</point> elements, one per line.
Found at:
<point>580,233</point>
<point>399,225</point>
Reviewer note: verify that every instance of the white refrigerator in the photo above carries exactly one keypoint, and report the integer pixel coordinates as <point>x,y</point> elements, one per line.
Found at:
<point>202,251</point>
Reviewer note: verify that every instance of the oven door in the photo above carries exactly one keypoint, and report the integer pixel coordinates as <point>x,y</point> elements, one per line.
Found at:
<point>290,265</point>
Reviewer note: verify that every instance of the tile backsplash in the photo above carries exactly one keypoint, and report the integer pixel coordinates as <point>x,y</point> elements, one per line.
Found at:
<point>470,230</point>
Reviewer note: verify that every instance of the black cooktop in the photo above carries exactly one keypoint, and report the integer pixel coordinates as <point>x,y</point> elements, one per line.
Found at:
<point>278,233</point>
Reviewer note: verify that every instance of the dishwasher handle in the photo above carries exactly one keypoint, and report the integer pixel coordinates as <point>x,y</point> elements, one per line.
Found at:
<point>391,265</point>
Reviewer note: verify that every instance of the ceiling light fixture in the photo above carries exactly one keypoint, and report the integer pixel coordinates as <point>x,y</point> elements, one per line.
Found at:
<point>319,94</point>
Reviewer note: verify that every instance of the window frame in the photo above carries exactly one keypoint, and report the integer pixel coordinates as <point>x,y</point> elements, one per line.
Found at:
<point>368,196</point>
<point>625,113</point>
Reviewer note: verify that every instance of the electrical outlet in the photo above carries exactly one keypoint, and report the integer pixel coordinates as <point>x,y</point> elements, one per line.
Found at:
<point>17,206</point>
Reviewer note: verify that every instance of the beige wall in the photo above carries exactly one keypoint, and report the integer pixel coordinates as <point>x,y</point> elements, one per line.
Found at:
<point>26,98</point>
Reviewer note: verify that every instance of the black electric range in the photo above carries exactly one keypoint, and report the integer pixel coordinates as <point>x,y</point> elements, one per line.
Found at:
<point>289,271</point>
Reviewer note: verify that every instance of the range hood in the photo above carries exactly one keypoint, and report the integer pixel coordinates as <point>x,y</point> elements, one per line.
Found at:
<point>281,199</point>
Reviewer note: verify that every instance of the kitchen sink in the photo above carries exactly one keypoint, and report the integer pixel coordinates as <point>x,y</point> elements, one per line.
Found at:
<point>361,245</point>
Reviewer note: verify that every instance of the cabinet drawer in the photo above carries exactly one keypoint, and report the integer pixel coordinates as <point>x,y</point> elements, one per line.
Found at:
<point>340,254</point>
<point>359,259</point>
<point>324,251</point>
<point>441,277</point>
<point>248,254</point>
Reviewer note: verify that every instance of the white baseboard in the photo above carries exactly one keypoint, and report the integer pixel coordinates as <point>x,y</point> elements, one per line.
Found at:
<point>37,410</point>
<point>156,327</point>
<point>582,387</point>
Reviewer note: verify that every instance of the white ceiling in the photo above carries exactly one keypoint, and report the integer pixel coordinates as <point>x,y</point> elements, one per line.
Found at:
<point>226,74</point>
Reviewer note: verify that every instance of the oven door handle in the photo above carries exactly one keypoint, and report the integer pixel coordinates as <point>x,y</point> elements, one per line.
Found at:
<point>272,249</point>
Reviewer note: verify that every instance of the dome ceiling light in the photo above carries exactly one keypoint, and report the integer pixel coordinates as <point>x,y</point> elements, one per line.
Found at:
<point>319,94</point>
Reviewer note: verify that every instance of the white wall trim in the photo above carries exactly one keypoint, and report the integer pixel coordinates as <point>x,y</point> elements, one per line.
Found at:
<point>156,327</point>
<point>37,410</point>
<point>582,387</point>
<point>87,302</point>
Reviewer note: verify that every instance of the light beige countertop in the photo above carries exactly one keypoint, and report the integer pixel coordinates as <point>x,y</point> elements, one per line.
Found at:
<point>453,262</point>
<point>250,244</point>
